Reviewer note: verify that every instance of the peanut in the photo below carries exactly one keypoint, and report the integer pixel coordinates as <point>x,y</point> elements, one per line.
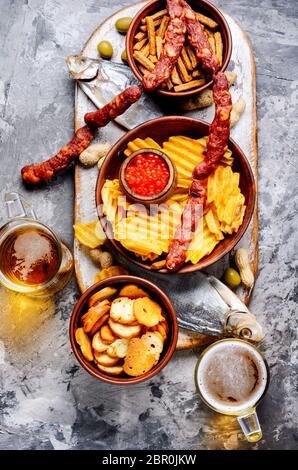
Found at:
<point>94,153</point>
<point>243,265</point>
<point>102,258</point>
<point>237,110</point>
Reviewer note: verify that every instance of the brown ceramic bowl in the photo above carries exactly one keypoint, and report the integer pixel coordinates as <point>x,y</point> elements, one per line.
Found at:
<point>156,294</point>
<point>161,196</point>
<point>161,129</point>
<point>201,6</point>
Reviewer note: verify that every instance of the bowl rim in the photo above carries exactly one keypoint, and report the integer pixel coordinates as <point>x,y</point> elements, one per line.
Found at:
<point>171,317</point>
<point>182,94</point>
<point>187,268</point>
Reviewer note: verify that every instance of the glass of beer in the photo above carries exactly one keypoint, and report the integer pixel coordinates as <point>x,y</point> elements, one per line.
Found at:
<point>33,260</point>
<point>232,377</point>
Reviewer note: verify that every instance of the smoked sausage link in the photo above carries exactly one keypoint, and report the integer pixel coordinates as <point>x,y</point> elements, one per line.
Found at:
<point>36,174</point>
<point>115,108</point>
<point>174,40</point>
<point>192,214</point>
<point>199,41</point>
<point>219,129</point>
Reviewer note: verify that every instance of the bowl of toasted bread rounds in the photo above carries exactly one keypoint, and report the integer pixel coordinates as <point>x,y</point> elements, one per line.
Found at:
<point>123,330</point>
<point>146,39</point>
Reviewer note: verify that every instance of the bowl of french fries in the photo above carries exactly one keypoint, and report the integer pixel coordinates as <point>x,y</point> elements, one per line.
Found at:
<point>123,330</point>
<point>141,234</point>
<point>145,38</point>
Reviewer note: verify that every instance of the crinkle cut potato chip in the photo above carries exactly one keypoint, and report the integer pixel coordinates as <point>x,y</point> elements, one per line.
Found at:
<point>139,144</point>
<point>148,235</point>
<point>90,234</point>
<point>113,199</point>
<point>202,244</point>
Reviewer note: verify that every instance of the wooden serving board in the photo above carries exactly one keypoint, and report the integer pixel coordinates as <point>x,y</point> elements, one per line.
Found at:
<point>244,133</point>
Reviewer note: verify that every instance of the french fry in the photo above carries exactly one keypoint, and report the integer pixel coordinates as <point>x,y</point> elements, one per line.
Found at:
<point>192,56</point>
<point>175,77</point>
<point>151,35</point>
<point>158,41</point>
<point>138,45</point>
<point>141,35</point>
<point>184,75</point>
<point>143,70</point>
<point>156,23</point>
<point>189,85</point>
<point>211,38</point>
<point>218,47</point>
<point>169,84</point>
<point>206,21</point>
<point>145,50</point>
<point>143,60</point>
<point>156,16</point>
<point>163,27</point>
<point>186,59</point>
<point>196,73</point>
<point>152,58</point>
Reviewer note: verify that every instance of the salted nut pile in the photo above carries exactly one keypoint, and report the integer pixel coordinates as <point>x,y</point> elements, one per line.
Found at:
<point>123,332</point>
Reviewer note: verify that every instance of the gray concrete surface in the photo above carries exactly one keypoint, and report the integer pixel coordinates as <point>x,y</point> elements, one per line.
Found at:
<point>46,400</point>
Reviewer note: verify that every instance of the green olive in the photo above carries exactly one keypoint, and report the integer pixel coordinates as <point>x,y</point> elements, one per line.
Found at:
<point>123,24</point>
<point>124,56</point>
<point>232,278</point>
<point>105,49</point>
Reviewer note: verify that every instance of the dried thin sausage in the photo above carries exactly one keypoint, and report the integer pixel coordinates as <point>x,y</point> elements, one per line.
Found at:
<point>216,146</point>
<point>219,131</point>
<point>174,40</point>
<point>199,40</point>
<point>36,174</point>
<point>115,108</point>
<point>192,213</point>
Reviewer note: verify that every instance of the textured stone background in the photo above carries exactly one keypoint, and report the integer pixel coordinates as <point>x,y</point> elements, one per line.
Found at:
<point>46,400</point>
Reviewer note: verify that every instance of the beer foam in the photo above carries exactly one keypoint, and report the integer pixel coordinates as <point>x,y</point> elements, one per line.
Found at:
<point>232,376</point>
<point>29,248</point>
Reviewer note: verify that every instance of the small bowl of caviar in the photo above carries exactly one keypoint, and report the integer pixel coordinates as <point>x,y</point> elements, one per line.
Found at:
<point>148,176</point>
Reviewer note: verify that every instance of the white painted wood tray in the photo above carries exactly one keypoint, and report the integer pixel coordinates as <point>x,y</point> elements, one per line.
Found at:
<point>244,133</point>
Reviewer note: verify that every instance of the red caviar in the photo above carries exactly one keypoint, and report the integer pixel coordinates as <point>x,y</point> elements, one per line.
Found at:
<point>147,174</point>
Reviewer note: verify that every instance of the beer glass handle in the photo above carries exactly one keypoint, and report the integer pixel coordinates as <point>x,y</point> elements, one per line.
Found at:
<point>17,206</point>
<point>250,426</point>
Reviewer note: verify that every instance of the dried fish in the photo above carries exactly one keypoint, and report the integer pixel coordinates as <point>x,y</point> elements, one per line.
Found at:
<point>205,305</point>
<point>101,80</point>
